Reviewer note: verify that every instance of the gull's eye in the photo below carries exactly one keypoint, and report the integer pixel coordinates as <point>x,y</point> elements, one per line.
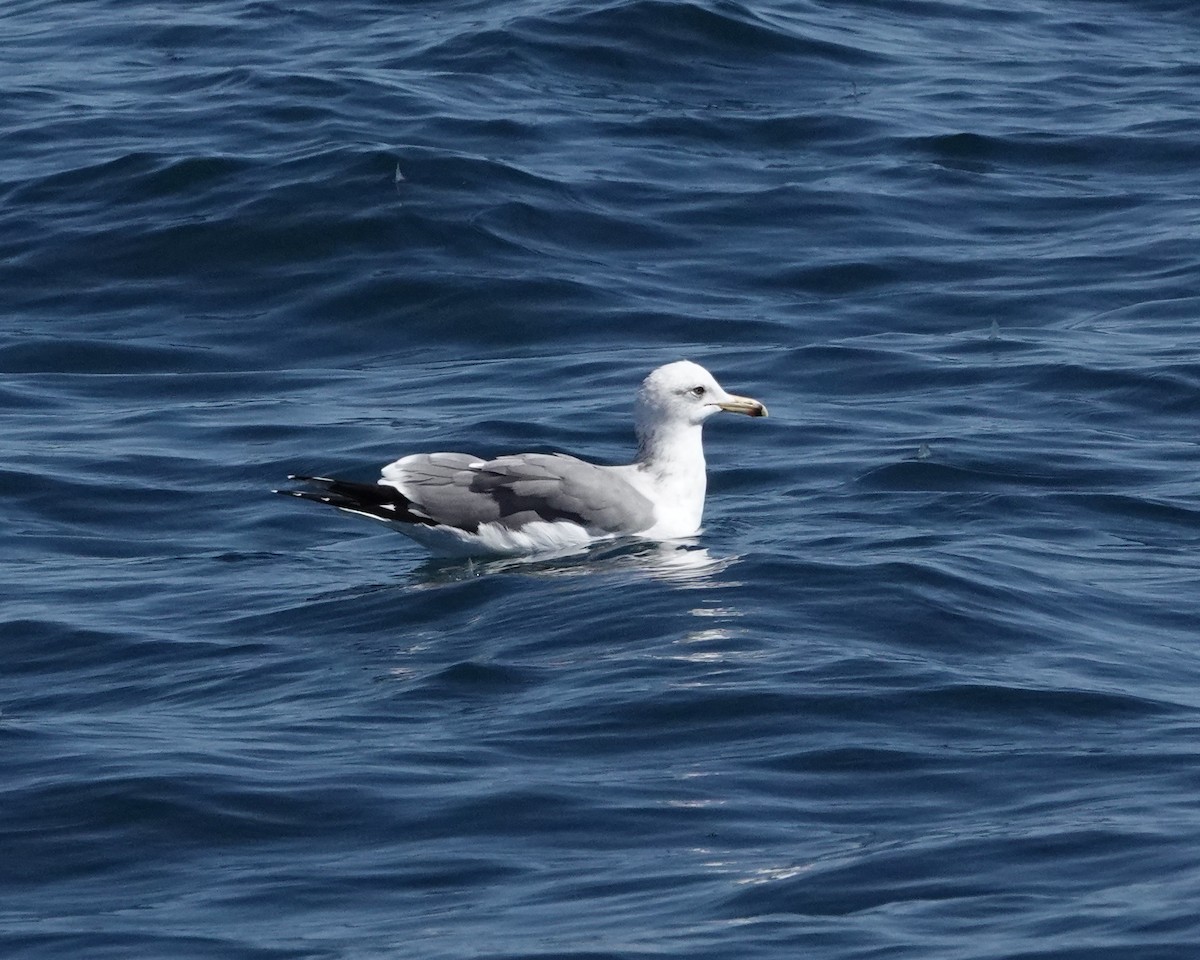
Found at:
<point>697,391</point>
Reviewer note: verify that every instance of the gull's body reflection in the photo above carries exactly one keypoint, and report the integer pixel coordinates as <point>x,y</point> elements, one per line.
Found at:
<point>681,562</point>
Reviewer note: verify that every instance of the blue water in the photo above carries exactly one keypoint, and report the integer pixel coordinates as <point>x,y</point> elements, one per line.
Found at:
<point>927,685</point>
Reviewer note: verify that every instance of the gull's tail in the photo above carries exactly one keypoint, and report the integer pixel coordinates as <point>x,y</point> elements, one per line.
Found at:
<point>372,500</point>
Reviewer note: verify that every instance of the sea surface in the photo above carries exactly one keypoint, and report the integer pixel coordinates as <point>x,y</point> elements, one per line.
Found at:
<point>927,685</point>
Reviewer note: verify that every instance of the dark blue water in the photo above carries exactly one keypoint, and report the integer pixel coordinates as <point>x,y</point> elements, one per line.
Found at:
<point>928,684</point>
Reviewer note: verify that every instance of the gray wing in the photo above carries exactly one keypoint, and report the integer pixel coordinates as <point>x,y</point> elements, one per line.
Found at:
<point>462,491</point>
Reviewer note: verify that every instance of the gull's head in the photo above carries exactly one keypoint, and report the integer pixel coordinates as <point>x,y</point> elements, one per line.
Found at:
<point>684,392</point>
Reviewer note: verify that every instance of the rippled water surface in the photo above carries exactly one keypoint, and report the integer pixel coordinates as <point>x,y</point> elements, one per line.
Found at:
<point>927,684</point>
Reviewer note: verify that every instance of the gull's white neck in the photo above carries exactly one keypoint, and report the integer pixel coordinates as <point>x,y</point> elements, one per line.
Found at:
<point>670,459</point>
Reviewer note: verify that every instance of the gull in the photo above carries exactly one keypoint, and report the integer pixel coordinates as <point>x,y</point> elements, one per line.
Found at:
<point>456,504</point>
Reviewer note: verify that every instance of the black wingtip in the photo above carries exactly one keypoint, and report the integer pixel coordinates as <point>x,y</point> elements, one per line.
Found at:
<point>377,501</point>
